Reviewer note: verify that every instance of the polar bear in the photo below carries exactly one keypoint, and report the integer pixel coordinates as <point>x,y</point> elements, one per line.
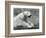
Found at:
<point>22,19</point>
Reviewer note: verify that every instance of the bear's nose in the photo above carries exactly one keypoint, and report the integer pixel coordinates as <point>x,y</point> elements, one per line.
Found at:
<point>29,16</point>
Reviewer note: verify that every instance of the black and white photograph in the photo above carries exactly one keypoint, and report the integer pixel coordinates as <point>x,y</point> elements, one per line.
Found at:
<point>25,18</point>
